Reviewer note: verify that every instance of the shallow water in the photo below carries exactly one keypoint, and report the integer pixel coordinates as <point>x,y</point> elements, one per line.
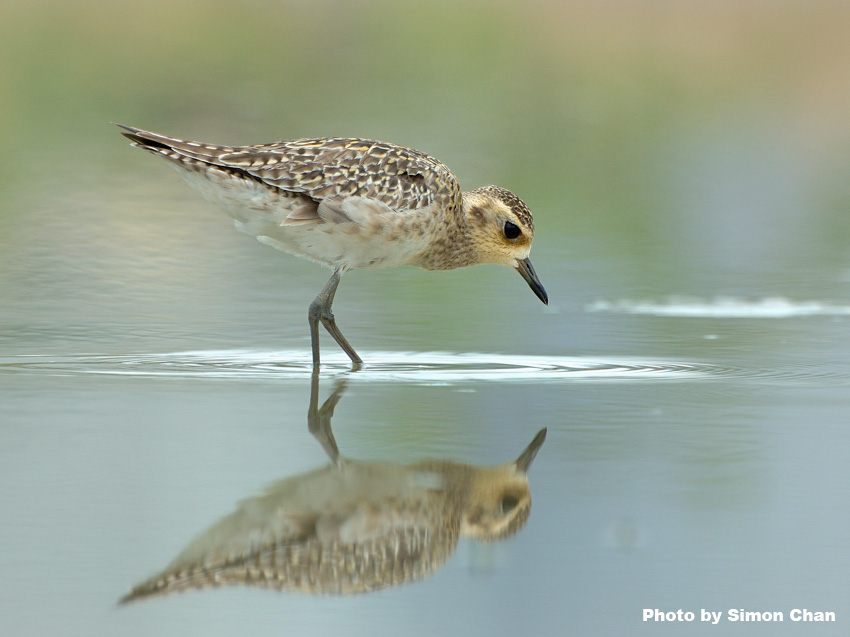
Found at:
<point>692,368</point>
<point>712,482</point>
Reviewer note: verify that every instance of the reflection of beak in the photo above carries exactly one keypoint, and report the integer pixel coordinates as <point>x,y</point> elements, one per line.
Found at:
<point>527,272</point>
<point>527,456</point>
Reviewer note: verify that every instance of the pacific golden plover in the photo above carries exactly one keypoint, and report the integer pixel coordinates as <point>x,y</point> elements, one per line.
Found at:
<point>353,527</point>
<point>354,203</point>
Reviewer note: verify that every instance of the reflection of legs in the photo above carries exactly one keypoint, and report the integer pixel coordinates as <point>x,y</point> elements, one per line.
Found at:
<point>320,310</point>
<point>319,420</point>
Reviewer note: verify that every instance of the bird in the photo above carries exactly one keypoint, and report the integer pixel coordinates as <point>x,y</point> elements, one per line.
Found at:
<point>349,203</point>
<point>352,527</point>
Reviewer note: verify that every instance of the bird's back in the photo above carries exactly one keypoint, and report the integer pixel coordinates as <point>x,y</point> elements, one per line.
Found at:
<point>344,202</point>
<point>324,167</point>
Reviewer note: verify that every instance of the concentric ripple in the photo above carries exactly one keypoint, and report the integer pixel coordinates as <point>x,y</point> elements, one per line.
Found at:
<point>417,367</point>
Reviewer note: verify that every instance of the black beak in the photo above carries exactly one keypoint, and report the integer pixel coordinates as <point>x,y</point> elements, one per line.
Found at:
<point>527,272</point>
<point>527,456</point>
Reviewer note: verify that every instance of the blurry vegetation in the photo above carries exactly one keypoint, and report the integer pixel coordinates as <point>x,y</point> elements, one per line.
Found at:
<point>570,103</point>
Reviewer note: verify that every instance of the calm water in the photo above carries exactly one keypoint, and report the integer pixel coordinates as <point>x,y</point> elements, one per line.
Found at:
<point>693,367</point>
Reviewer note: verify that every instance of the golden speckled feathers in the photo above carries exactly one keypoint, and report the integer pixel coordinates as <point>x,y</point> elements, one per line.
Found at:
<point>402,555</point>
<point>320,168</point>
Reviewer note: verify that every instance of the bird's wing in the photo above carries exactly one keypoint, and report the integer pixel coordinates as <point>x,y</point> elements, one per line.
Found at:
<point>323,168</point>
<point>359,545</point>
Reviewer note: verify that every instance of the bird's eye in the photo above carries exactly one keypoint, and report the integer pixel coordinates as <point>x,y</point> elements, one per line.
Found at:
<point>508,503</point>
<point>512,230</point>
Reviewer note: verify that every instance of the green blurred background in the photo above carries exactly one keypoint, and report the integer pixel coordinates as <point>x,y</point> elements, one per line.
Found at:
<point>664,147</point>
<point>574,104</point>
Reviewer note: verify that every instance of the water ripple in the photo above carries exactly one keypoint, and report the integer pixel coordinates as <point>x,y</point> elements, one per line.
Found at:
<point>431,368</point>
<point>418,367</point>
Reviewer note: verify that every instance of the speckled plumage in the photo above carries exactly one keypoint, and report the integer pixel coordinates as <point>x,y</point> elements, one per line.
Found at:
<point>354,203</point>
<point>353,527</point>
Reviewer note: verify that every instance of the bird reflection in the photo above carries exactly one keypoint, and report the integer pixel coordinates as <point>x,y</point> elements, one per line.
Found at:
<point>352,526</point>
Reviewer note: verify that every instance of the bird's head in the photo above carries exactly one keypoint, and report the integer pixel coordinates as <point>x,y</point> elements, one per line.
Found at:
<point>502,229</point>
<point>500,500</point>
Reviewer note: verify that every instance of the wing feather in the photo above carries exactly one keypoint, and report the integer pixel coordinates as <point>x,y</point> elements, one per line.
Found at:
<point>398,177</point>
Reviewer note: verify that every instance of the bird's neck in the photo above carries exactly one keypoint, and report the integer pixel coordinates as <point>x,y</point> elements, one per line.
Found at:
<point>451,245</point>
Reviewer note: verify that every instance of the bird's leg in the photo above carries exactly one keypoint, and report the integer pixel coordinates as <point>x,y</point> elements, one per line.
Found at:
<point>320,310</point>
<point>319,420</point>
